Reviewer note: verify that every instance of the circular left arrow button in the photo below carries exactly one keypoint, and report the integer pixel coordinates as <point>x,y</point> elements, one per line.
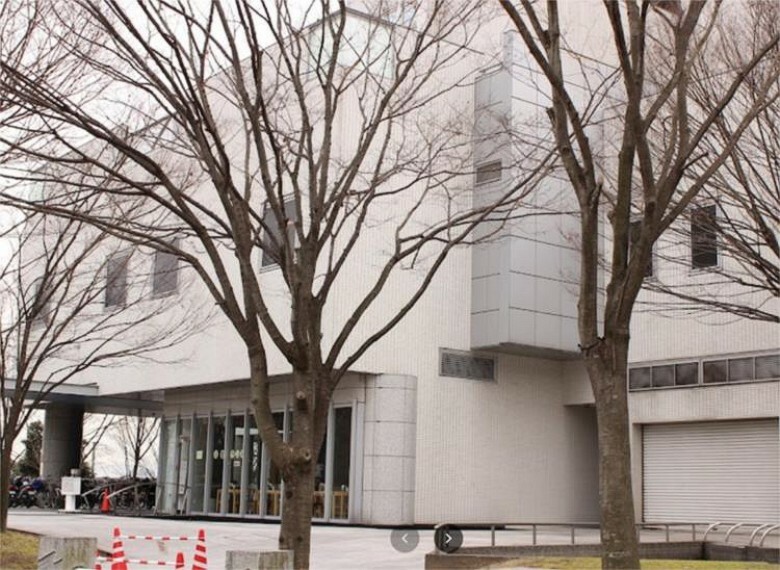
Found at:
<point>404,539</point>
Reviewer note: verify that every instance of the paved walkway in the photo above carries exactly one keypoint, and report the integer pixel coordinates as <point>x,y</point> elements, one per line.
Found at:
<point>333,547</point>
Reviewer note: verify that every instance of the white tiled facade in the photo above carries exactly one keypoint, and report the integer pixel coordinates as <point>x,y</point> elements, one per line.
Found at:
<point>427,448</point>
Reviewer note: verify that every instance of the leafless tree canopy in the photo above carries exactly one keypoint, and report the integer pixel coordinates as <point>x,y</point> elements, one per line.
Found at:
<point>321,139</point>
<point>744,193</point>
<point>637,151</point>
<point>55,319</point>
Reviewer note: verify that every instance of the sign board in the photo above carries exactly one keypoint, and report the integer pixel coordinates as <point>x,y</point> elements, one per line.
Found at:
<point>71,485</point>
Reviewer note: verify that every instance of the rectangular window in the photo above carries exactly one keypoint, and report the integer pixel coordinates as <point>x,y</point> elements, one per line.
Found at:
<point>39,306</point>
<point>715,371</point>
<point>768,367</point>
<point>663,376</point>
<point>488,172</point>
<point>634,231</point>
<point>116,280</point>
<point>272,243</point>
<point>640,378</point>
<point>740,369</point>
<point>704,242</point>
<point>686,374</point>
<point>165,278</point>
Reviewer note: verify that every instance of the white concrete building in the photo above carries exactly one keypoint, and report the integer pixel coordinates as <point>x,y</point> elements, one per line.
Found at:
<point>476,407</point>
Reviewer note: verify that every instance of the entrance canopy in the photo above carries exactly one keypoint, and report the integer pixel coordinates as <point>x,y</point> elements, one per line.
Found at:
<point>88,396</point>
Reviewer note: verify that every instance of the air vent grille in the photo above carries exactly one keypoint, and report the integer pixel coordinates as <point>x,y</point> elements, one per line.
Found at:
<point>457,364</point>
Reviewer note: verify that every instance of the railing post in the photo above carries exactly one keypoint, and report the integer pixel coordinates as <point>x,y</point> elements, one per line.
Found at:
<point>667,531</point>
<point>693,531</point>
<point>572,533</point>
<point>533,534</point>
<point>492,535</point>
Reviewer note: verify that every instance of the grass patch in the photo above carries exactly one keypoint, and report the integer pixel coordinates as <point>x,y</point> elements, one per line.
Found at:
<point>18,551</point>
<point>587,563</point>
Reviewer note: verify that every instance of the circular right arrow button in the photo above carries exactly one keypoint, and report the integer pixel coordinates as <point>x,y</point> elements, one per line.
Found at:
<point>448,538</point>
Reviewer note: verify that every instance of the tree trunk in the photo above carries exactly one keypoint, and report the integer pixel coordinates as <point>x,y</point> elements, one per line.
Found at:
<point>295,532</point>
<point>607,370</point>
<point>5,482</point>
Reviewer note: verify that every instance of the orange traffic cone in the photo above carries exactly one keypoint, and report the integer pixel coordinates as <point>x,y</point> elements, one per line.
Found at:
<point>179,561</point>
<point>118,553</point>
<point>199,560</point>
<point>105,502</point>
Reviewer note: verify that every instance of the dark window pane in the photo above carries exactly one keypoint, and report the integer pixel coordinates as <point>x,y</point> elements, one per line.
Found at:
<point>489,172</point>
<point>663,376</point>
<point>704,244</point>
<point>165,277</point>
<point>639,378</point>
<point>686,374</point>
<point>740,369</point>
<point>273,244</point>
<point>116,281</point>
<point>342,446</point>
<point>767,366</point>
<point>715,371</point>
<point>634,231</point>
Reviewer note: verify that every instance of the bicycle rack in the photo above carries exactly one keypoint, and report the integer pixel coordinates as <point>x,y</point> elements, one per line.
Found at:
<point>766,533</point>
<point>713,526</point>
<point>755,532</point>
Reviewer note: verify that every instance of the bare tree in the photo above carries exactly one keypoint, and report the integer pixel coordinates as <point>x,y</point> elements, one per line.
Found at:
<point>743,196</point>
<point>137,436</point>
<point>69,308</point>
<point>341,149</point>
<point>99,425</point>
<point>656,128</point>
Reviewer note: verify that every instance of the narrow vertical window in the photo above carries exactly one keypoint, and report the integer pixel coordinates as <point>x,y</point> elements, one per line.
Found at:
<point>704,243</point>
<point>273,242</point>
<point>165,278</point>
<point>116,280</point>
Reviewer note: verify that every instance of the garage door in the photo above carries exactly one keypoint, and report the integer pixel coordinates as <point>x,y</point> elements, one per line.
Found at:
<point>712,471</point>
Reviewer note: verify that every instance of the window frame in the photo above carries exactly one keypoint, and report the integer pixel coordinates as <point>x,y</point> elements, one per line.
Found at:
<point>710,237</point>
<point>157,253</point>
<point>119,255</point>
<point>484,166</point>
<point>263,253</point>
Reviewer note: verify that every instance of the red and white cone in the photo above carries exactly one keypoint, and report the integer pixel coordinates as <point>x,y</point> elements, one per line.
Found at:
<point>118,560</point>
<point>98,566</point>
<point>179,561</point>
<point>199,560</point>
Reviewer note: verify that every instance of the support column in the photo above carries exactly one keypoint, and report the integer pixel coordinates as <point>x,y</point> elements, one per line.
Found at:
<point>62,433</point>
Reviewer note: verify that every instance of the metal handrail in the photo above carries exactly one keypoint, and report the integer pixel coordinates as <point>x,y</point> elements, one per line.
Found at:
<point>572,526</point>
<point>761,532</point>
<point>766,533</point>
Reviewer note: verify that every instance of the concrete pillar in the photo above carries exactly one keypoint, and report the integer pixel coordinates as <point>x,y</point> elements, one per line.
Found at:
<point>62,433</point>
<point>56,553</point>
<point>254,560</point>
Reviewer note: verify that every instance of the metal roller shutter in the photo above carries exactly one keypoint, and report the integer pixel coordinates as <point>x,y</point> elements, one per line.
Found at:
<point>712,471</point>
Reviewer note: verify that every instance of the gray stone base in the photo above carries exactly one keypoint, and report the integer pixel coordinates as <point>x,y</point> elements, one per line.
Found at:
<point>55,553</point>
<point>259,560</point>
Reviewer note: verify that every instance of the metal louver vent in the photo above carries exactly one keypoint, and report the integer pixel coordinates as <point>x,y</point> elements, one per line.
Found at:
<point>456,364</point>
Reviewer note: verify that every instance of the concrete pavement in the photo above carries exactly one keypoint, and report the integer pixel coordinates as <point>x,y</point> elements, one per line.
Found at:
<point>333,547</point>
